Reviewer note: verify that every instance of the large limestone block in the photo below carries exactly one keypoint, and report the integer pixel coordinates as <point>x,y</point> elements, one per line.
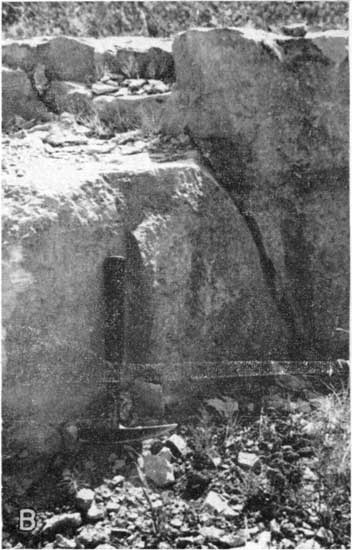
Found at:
<point>195,289</point>
<point>68,59</point>
<point>19,98</point>
<point>270,115</point>
<point>64,58</point>
<point>20,54</point>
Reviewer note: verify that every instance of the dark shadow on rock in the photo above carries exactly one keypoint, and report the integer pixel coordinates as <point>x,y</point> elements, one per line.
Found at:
<point>138,304</point>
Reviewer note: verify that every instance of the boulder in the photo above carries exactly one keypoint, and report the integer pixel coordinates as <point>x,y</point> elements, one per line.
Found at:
<point>64,58</point>
<point>269,114</point>
<point>19,98</point>
<point>68,58</point>
<point>194,286</point>
<point>86,59</point>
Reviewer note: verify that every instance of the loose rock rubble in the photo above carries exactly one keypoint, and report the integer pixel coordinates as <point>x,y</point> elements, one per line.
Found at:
<point>236,506</point>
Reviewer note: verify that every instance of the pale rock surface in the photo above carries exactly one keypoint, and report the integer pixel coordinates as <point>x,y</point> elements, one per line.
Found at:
<point>158,469</point>
<point>195,290</point>
<point>85,59</point>
<point>84,499</point>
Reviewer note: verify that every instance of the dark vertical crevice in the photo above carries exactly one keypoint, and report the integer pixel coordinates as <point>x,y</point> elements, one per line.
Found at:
<point>237,193</point>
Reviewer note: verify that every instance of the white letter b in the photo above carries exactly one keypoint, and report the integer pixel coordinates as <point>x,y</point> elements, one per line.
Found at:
<point>27,519</point>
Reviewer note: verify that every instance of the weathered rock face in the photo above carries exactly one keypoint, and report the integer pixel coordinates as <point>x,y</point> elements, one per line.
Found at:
<point>195,289</point>
<point>19,98</point>
<point>270,116</point>
<point>131,112</point>
<point>84,59</point>
<point>58,74</point>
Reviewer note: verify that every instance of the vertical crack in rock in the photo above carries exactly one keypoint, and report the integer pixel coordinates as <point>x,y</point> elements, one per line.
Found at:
<point>270,276</point>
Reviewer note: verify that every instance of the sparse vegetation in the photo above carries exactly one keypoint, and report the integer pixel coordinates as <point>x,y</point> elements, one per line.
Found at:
<point>26,19</point>
<point>282,477</point>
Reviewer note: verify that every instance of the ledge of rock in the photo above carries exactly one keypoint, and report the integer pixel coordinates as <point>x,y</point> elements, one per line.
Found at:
<point>269,114</point>
<point>63,74</point>
<point>195,288</point>
<point>83,59</point>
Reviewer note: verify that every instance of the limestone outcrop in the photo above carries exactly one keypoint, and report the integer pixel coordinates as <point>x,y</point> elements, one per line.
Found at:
<point>19,98</point>
<point>195,288</point>
<point>269,114</point>
<point>59,74</point>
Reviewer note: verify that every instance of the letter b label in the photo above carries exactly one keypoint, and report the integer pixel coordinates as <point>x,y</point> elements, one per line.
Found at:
<point>27,519</point>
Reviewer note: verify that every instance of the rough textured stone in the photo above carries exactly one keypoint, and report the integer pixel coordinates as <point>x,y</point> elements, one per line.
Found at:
<point>125,113</point>
<point>217,503</point>
<point>95,513</point>
<point>270,115</point>
<point>71,97</point>
<point>147,399</point>
<point>61,523</point>
<point>195,289</point>
<point>64,58</point>
<point>84,499</point>
<point>138,56</point>
<point>159,470</point>
<point>247,460</point>
<point>19,98</point>
<point>86,59</point>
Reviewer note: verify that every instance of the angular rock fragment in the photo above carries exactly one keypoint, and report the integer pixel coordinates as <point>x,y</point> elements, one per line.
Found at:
<point>91,536</point>
<point>177,445</point>
<point>159,470</point>
<point>84,499</point>
<point>120,532</point>
<point>118,480</point>
<point>215,502</point>
<point>101,88</point>
<point>248,461</point>
<point>64,542</point>
<point>95,513</point>
<point>61,523</point>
